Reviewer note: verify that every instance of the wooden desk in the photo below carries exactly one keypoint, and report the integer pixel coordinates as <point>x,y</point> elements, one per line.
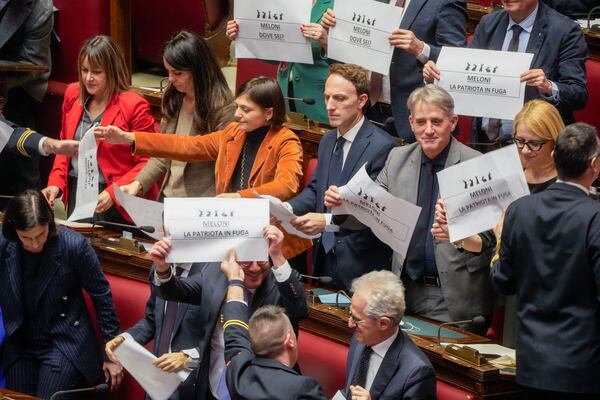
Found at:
<point>6,394</point>
<point>7,68</point>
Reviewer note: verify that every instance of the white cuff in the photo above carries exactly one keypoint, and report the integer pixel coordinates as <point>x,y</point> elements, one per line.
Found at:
<point>193,360</point>
<point>283,272</point>
<point>41,147</point>
<point>425,53</point>
<point>158,281</point>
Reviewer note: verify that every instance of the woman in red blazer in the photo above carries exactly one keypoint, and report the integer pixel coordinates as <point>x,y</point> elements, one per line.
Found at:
<point>100,97</point>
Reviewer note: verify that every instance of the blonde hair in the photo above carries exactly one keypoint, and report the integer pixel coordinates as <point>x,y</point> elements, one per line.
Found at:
<point>542,118</point>
<point>104,53</point>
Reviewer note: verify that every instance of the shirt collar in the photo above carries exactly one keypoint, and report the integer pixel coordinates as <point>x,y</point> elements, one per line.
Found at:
<point>440,160</point>
<point>381,348</point>
<point>352,132</point>
<point>527,23</point>
<point>577,185</point>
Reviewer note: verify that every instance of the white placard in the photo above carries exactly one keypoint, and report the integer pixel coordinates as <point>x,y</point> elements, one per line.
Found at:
<point>138,362</point>
<point>476,192</point>
<point>205,229</point>
<point>5,132</point>
<point>279,211</point>
<point>143,212</point>
<point>270,30</point>
<point>87,178</point>
<point>484,83</point>
<point>391,219</point>
<point>361,34</point>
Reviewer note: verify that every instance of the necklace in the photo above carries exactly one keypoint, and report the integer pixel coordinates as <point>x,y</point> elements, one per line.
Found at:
<point>243,166</point>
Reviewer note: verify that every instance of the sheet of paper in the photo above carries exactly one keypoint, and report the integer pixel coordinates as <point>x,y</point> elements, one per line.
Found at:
<point>281,212</point>
<point>477,191</point>
<point>338,396</point>
<point>138,362</point>
<point>270,30</point>
<point>143,212</point>
<point>5,133</point>
<point>205,229</point>
<point>87,178</point>
<point>391,219</point>
<point>361,34</point>
<point>484,83</point>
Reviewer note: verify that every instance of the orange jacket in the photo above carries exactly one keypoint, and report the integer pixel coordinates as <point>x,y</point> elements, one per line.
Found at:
<point>277,168</point>
<point>128,111</point>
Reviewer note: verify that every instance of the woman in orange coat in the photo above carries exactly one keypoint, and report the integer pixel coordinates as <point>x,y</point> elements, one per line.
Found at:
<point>101,96</point>
<point>253,154</point>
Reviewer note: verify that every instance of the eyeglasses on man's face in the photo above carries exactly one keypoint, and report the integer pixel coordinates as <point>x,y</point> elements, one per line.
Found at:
<point>246,264</point>
<point>532,145</point>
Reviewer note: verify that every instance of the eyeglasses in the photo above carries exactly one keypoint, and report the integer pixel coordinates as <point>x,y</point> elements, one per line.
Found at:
<point>356,321</point>
<point>246,264</point>
<point>532,145</point>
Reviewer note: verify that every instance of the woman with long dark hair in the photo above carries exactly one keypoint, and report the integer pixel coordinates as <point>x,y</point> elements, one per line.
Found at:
<point>197,101</point>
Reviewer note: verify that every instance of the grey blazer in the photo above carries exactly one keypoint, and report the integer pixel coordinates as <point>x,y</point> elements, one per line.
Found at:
<point>464,276</point>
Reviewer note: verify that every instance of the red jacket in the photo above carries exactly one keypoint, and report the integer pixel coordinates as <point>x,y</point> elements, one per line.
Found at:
<point>128,111</point>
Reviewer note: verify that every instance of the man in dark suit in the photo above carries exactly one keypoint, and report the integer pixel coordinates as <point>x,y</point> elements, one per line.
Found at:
<point>444,281</point>
<point>344,254</point>
<point>557,72</point>
<point>24,143</point>
<point>382,361</point>
<point>550,258</point>
<point>426,26</point>
<point>174,329</point>
<point>277,285</point>
<point>260,354</point>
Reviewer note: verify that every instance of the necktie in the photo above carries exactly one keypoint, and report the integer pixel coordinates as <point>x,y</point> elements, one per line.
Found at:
<point>360,376</point>
<point>334,178</point>
<point>415,257</point>
<point>493,129</point>
<point>168,323</point>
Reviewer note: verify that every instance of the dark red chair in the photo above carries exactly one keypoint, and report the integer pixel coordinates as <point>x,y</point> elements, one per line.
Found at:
<point>248,68</point>
<point>590,113</point>
<point>130,302</point>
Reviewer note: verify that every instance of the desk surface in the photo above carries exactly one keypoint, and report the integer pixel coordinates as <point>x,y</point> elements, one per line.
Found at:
<point>8,66</point>
<point>6,394</point>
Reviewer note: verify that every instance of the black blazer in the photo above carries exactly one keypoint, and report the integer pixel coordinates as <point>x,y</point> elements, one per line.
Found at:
<point>550,258</point>
<point>208,290</point>
<point>69,265</point>
<point>559,49</point>
<point>186,332</point>
<point>255,378</point>
<point>356,251</point>
<point>405,372</point>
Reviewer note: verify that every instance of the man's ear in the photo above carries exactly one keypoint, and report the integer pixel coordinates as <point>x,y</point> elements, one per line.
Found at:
<point>362,101</point>
<point>384,323</point>
<point>289,342</point>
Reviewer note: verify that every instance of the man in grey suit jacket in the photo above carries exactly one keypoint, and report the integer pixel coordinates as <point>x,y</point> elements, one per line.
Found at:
<point>444,281</point>
<point>383,363</point>
<point>426,26</point>
<point>179,322</point>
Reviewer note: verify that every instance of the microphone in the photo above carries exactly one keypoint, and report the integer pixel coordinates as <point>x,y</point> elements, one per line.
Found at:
<point>143,228</point>
<point>306,100</point>
<point>322,279</point>
<point>103,387</point>
<point>478,320</point>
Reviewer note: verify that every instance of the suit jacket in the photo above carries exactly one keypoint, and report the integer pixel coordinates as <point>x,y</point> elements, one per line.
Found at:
<point>405,372</point>
<point>18,160</point>
<point>69,265</point>
<point>356,251</point>
<point>128,111</point>
<point>550,258</point>
<point>208,290</point>
<point>26,27</point>
<point>255,378</point>
<point>186,332</point>
<point>464,276</point>
<point>436,22</point>
<point>308,80</point>
<point>277,168</point>
<point>198,177</point>
<point>559,49</point>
